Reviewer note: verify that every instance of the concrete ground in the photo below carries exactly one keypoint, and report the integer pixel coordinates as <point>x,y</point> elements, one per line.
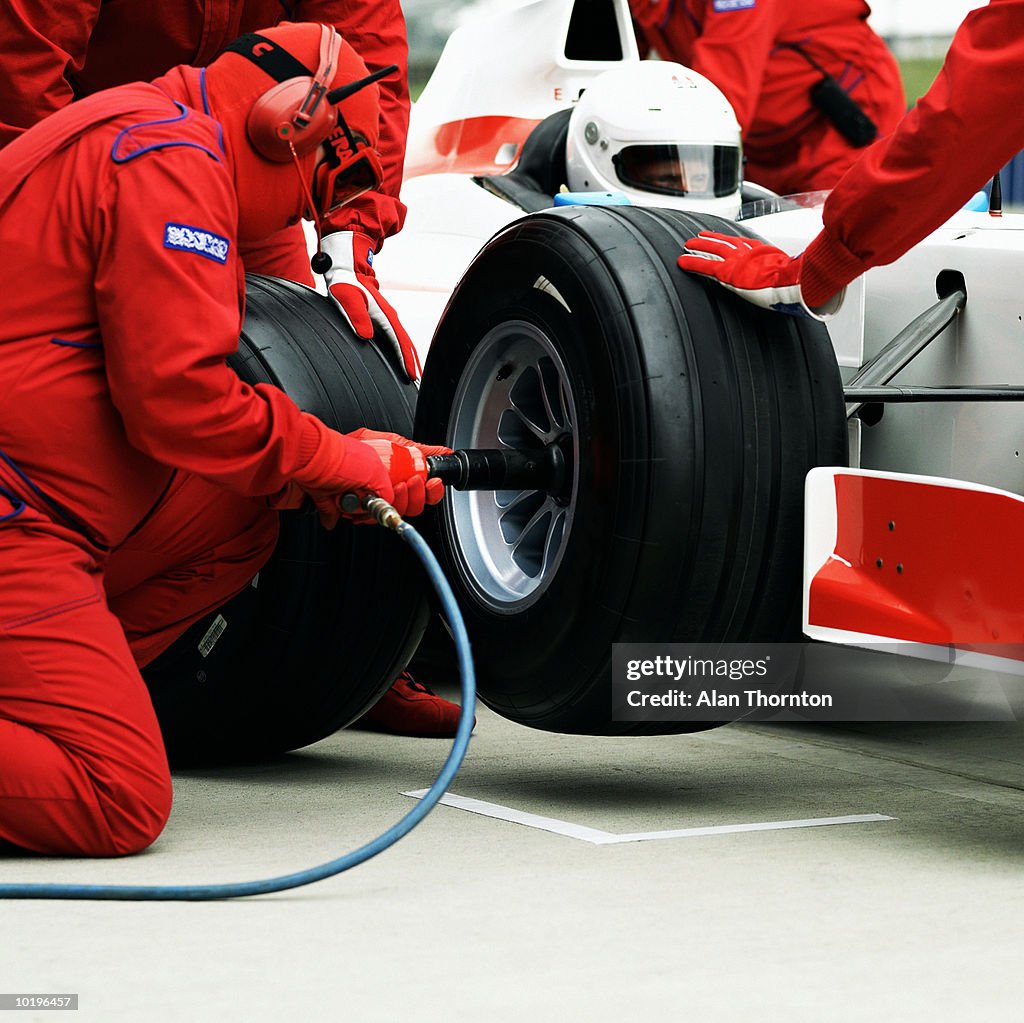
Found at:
<point>474,918</point>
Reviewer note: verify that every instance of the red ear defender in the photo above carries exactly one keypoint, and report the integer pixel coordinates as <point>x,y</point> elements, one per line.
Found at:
<point>295,115</point>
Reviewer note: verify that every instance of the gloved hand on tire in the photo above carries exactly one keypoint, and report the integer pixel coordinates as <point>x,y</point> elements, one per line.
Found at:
<point>759,272</point>
<point>363,462</point>
<point>352,283</point>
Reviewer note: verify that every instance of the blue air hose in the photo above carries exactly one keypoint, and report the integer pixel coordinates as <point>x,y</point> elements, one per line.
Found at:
<point>387,516</point>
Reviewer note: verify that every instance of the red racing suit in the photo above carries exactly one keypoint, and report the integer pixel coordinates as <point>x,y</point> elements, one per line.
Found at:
<point>122,429</point>
<point>55,51</point>
<point>761,54</point>
<point>965,128</point>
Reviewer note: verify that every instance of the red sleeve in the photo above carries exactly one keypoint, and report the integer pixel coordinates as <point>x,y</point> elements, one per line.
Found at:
<point>733,49</point>
<point>168,304</point>
<point>377,33</point>
<point>964,129</point>
<point>40,42</point>
<point>284,255</point>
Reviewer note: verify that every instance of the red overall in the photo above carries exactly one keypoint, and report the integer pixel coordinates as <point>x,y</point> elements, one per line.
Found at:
<point>751,49</point>
<point>54,51</point>
<point>122,298</point>
<point>965,128</point>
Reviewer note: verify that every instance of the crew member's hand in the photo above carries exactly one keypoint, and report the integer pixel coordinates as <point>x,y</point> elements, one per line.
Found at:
<point>761,273</point>
<point>340,464</point>
<point>352,284</point>
<point>406,463</point>
<point>362,462</point>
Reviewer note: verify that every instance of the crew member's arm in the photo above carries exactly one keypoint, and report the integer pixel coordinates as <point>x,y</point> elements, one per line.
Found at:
<point>908,184</point>
<point>948,147</point>
<point>169,308</point>
<point>41,41</point>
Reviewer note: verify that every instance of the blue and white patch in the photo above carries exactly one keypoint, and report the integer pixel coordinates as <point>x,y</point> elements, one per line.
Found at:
<point>721,6</point>
<point>792,309</point>
<point>194,239</point>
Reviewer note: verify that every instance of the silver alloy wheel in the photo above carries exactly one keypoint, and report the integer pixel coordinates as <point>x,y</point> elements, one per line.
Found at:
<point>514,393</point>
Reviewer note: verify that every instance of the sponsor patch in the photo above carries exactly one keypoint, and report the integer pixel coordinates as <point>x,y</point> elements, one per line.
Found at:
<point>194,239</point>
<point>732,5</point>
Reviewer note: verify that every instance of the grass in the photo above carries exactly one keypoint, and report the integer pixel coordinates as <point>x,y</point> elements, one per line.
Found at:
<point>918,74</point>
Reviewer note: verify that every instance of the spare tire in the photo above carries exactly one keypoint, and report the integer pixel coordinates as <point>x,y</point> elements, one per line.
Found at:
<point>689,418</point>
<point>333,617</point>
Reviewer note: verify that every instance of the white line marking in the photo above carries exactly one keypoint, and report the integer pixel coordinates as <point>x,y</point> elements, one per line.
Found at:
<point>725,829</point>
<point>598,837</point>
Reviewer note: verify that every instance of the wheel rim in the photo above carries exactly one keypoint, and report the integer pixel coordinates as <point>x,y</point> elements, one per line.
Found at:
<point>514,393</point>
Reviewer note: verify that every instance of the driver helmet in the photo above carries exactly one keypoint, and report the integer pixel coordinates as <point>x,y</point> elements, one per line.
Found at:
<point>659,132</point>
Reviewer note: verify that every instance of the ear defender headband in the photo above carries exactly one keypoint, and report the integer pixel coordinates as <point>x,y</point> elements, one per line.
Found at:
<point>294,116</point>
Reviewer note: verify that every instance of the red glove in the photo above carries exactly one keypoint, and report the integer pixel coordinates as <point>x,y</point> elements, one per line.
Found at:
<point>341,464</point>
<point>406,463</point>
<point>352,284</point>
<point>363,462</point>
<point>761,273</point>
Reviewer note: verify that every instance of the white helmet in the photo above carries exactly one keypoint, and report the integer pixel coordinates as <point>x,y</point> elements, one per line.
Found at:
<point>659,132</point>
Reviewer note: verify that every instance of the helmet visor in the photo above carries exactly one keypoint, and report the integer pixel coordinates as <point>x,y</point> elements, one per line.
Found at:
<point>699,171</point>
<point>350,168</point>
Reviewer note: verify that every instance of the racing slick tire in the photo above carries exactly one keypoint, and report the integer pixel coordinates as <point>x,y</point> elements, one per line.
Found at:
<point>333,617</point>
<point>688,420</point>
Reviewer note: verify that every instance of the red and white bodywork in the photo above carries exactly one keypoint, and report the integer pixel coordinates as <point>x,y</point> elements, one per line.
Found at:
<point>496,80</point>
<point>948,476</point>
<point>924,563</point>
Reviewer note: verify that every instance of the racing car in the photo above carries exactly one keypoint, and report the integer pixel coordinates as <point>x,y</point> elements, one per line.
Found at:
<point>703,471</point>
